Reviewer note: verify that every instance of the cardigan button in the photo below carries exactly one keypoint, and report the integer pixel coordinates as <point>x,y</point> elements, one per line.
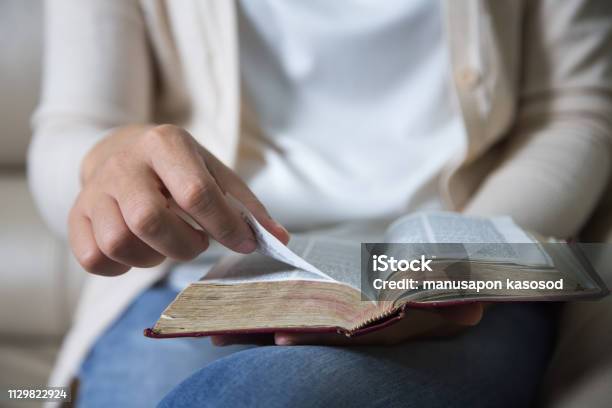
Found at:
<point>469,78</point>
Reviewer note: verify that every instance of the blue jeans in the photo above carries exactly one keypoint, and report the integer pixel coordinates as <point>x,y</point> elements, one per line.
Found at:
<point>498,363</point>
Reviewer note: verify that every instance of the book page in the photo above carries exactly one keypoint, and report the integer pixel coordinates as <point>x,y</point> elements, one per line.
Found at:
<point>479,238</point>
<point>255,267</point>
<point>337,258</point>
<point>269,245</point>
<point>338,261</point>
<point>305,258</point>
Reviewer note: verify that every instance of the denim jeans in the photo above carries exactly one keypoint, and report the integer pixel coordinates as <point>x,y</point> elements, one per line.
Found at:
<point>498,363</point>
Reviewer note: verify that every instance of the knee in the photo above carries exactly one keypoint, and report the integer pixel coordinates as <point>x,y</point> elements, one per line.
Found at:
<point>265,376</point>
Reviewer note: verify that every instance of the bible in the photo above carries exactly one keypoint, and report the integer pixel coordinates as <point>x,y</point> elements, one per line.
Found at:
<point>430,259</point>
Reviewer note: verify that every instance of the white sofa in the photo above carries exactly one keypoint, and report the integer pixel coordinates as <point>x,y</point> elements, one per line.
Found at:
<point>39,281</point>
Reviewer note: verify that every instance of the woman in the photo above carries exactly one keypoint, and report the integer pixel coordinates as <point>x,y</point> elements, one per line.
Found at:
<point>323,113</point>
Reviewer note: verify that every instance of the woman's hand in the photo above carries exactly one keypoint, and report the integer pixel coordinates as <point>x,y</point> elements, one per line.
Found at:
<point>123,217</point>
<point>418,323</point>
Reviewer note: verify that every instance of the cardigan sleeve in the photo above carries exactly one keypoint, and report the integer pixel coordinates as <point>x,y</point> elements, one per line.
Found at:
<point>557,159</point>
<point>97,75</point>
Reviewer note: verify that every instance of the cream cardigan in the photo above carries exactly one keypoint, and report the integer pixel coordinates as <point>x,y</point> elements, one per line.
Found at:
<point>533,79</point>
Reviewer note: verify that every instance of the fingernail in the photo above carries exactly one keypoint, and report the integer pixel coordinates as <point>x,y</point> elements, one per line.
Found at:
<point>204,238</point>
<point>247,246</point>
<point>283,341</point>
<point>280,227</point>
<point>218,341</point>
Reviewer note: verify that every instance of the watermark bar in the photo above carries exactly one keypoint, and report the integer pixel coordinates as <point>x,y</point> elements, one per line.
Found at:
<point>497,271</point>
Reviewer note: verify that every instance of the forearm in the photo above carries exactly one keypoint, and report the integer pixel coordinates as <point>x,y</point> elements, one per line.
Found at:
<point>551,177</point>
<point>557,157</point>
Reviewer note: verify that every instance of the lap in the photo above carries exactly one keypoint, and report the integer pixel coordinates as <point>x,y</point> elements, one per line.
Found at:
<point>497,363</point>
<point>124,368</point>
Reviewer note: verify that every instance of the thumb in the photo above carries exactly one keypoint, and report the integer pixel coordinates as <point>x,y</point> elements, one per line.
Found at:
<point>468,314</point>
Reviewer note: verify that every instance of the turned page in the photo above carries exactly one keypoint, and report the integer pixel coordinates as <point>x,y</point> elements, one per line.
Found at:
<point>327,259</point>
<point>305,258</point>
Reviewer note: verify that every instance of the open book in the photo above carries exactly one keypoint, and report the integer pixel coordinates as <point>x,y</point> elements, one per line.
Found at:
<point>332,285</point>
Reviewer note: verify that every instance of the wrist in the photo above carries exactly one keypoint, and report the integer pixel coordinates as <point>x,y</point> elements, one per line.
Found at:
<point>114,140</point>
<point>89,163</point>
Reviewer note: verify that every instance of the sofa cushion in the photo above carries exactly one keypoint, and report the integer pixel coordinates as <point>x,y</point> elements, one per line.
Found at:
<point>35,287</point>
<point>580,373</point>
<point>20,61</point>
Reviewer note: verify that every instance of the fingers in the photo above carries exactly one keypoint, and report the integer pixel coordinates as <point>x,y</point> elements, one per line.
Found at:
<point>231,183</point>
<point>468,314</point>
<point>85,247</point>
<point>115,239</point>
<point>148,216</point>
<point>330,339</point>
<point>264,339</point>
<point>416,324</point>
<point>182,170</point>
<point>123,216</point>
<point>388,336</point>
